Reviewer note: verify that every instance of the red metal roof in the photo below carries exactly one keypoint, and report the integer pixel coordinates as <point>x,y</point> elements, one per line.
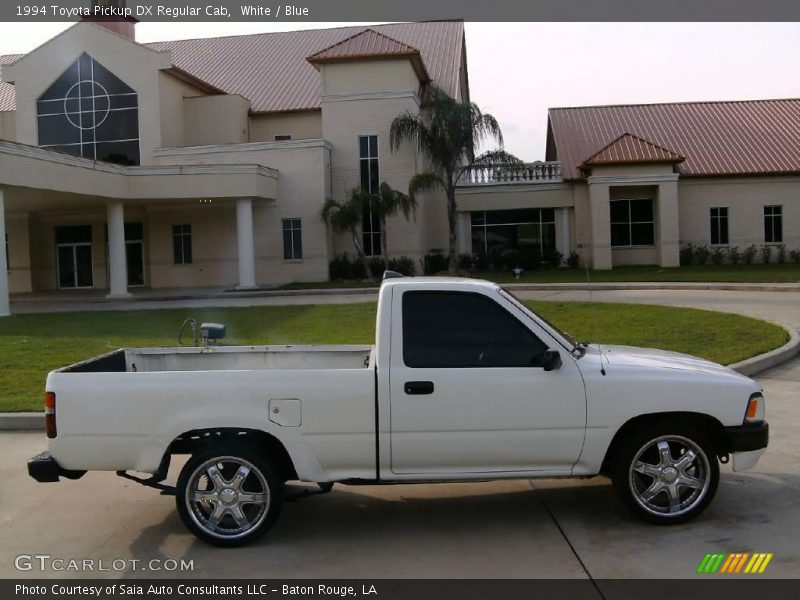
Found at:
<point>271,70</point>
<point>363,44</point>
<point>748,137</point>
<point>6,89</point>
<point>369,44</point>
<point>629,148</point>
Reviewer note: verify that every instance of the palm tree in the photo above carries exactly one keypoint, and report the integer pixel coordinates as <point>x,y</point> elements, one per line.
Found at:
<point>345,217</point>
<point>447,136</point>
<point>387,202</point>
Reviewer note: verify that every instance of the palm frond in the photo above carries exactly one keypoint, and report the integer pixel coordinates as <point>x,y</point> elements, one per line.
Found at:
<point>422,182</point>
<point>388,201</point>
<point>405,128</point>
<point>347,215</point>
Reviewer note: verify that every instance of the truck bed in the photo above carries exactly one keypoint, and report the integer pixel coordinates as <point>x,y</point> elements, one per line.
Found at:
<point>223,358</point>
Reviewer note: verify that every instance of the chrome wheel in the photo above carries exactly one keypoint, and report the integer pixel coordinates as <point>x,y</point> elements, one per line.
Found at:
<point>227,497</point>
<point>669,476</point>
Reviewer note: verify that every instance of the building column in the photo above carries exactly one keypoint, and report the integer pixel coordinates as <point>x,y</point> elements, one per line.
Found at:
<point>5,305</point>
<point>117,260</point>
<point>563,237</point>
<point>600,211</point>
<point>668,238</point>
<point>246,248</point>
<point>463,233</point>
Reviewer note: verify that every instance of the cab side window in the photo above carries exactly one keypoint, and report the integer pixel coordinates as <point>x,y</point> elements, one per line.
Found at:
<point>464,330</point>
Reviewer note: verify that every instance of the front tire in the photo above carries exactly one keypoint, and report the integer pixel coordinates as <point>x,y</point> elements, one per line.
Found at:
<point>228,495</point>
<point>666,475</point>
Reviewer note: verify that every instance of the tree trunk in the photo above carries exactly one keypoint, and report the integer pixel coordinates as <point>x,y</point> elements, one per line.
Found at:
<point>360,252</point>
<point>452,266</point>
<point>384,245</point>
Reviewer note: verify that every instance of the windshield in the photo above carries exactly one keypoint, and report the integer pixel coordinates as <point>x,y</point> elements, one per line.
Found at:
<point>510,295</point>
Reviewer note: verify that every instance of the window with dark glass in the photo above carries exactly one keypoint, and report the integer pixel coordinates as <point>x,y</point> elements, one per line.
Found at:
<point>283,138</point>
<point>464,330</point>
<point>182,244</point>
<point>90,112</point>
<point>632,223</point>
<point>292,239</point>
<point>514,229</point>
<point>370,181</point>
<point>719,225</point>
<point>74,256</point>
<point>773,224</point>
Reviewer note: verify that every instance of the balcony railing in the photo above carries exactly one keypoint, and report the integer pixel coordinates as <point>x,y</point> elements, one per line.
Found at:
<point>535,172</point>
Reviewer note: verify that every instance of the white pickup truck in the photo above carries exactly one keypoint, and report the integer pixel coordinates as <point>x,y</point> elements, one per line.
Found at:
<point>463,383</point>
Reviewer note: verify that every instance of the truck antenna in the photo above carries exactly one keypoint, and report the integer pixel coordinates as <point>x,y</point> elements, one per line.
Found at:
<point>591,303</point>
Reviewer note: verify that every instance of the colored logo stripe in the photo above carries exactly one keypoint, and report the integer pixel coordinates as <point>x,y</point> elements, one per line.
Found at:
<point>735,562</point>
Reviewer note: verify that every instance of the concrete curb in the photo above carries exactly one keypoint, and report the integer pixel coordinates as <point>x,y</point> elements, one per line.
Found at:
<point>34,421</point>
<point>773,358</point>
<point>23,421</point>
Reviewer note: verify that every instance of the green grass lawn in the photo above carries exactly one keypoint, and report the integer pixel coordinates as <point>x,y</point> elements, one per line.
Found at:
<point>32,345</point>
<point>772,273</point>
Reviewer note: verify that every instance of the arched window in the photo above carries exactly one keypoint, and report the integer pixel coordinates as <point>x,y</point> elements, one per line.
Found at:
<point>90,112</point>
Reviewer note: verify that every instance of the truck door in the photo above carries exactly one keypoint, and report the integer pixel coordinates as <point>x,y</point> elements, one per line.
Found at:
<point>468,392</point>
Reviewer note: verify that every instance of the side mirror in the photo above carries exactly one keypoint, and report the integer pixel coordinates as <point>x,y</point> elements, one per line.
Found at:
<point>551,360</point>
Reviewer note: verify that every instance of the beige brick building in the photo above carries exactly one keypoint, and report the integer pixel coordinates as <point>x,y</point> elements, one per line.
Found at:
<point>205,163</point>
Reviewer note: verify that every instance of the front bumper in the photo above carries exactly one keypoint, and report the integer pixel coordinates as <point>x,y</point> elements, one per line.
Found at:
<point>746,438</point>
<point>44,469</point>
<point>747,443</point>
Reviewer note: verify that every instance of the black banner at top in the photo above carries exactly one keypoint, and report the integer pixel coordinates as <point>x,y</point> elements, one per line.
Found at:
<point>408,10</point>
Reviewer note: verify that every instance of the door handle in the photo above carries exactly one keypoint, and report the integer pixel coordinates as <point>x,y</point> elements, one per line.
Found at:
<point>414,388</point>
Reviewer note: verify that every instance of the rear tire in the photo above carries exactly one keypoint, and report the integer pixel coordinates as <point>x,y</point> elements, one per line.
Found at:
<point>228,495</point>
<point>666,474</point>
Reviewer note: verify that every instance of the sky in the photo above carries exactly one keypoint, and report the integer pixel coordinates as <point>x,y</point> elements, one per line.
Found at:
<point>519,70</point>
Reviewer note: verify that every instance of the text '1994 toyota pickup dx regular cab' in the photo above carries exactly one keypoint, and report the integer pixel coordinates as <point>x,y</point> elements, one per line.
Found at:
<point>463,383</point>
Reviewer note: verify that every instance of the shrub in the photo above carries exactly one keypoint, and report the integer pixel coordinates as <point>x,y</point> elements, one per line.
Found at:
<point>734,255</point>
<point>403,264</point>
<point>553,258</point>
<point>718,256</point>
<point>794,255</point>
<point>508,258</point>
<point>480,261</point>
<point>341,267</point>
<point>686,255</point>
<point>781,254</point>
<point>701,254</point>
<point>359,272</point>
<point>434,262</point>
<point>466,262</point>
<point>528,258</point>
<point>376,265</point>
<point>766,253</point>
<point>573,260</point>
<point>749,254</point>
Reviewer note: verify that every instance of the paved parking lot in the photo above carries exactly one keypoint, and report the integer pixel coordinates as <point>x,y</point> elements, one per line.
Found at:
<point>546,528</point>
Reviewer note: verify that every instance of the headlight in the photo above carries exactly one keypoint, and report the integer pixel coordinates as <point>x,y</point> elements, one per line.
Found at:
<point>755,408</point>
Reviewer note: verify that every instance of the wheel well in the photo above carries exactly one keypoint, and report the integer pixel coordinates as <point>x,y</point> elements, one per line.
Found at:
<point>707,424</point>
<point>197,439</point>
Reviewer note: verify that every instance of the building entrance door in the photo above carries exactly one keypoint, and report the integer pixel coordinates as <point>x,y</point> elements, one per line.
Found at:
<point>74,254</point>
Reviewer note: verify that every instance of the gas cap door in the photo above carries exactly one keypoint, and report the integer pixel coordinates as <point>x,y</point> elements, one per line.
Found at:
<point>285,412</point>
